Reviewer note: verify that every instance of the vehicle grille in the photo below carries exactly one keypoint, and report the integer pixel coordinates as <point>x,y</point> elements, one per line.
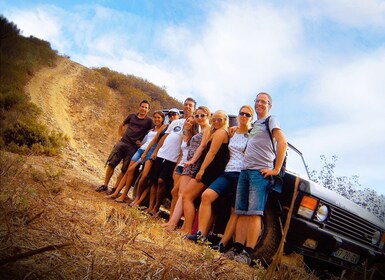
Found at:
<point>347,224</point>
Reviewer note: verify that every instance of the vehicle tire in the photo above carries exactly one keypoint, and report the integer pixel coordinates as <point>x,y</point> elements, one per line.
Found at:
<point>270,236</point>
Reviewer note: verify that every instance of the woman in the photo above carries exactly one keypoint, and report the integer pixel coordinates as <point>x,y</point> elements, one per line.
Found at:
<point>190,129</point>
<point>142,191</point>
<point>192,165</point>
<point>142,155</point>
<point>215,157</point>
<point>227,181</point>
<point>252,188</point>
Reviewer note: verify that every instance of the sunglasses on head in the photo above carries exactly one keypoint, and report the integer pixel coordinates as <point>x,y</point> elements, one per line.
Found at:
<point>245,114</point>
<point>200,115</point>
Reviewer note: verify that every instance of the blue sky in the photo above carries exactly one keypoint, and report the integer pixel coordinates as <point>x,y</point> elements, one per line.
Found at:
<point>322,61</point>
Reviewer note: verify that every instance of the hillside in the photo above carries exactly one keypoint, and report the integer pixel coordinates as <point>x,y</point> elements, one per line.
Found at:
<point>54,225</point>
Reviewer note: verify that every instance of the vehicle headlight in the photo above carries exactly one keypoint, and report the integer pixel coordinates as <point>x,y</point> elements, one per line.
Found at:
<point>322,213</point>
<point>376,237</point>
<point>307,207</point>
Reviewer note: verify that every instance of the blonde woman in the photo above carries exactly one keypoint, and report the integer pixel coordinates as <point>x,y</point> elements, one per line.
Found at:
<point>226,183</point>
<point>192,165</point>
<point>215,157</point>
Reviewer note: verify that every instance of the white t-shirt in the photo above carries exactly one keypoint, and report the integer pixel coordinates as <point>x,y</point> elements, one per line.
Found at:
<point>171,146</point>
<point>184,149</point>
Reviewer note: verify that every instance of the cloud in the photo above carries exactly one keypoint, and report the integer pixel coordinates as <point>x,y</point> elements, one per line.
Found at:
<point>43,22</point>
<point>353,13</point>
<point>322,61</point>
<point>242,49</point>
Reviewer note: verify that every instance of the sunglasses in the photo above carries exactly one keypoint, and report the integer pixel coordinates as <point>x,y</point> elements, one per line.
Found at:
<point>172,114</point>
<point>217,120</point>
<point>200,116</point>
<point>245,114</point>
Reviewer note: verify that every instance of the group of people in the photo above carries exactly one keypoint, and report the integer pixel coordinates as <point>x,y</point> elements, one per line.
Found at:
<point>200,158</point>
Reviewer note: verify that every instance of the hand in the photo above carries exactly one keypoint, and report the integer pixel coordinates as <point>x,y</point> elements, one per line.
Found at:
<point>153,156</point>
<point>268,172</point>
<point>143,157</point>
<point>186,164</point>
<point>199,175</point>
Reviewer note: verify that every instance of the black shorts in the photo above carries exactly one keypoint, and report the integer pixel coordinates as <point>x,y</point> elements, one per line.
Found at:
<point>121,151</point>
<point>162,168</point>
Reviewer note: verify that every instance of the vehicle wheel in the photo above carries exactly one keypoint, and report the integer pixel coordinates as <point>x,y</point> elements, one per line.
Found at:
<point>270,237</point>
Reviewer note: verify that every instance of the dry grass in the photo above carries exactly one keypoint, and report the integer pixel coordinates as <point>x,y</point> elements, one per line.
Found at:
<point>55,226</point>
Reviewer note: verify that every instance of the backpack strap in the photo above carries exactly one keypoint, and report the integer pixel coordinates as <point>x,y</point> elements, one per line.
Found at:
<point>267,124</point>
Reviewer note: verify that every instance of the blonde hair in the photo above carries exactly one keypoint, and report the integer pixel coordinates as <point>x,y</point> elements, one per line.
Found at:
<point>225,126</point>
<point>204,109</point>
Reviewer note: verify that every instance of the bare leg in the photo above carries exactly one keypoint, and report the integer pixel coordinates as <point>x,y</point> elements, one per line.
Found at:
<point>143,196</point>
<point>194,189</point>
<point>109,173</point>
<point>241,229</point>
<point>174,192</point>
<point>142,185</point>
<point>153,192</point>
<point>205,210</point>
<point>178,209</point>
<point>230,227</point>
<point>128,182</point>
<point>121,185</point>
<point>160,193</point>
<point>253,231</point>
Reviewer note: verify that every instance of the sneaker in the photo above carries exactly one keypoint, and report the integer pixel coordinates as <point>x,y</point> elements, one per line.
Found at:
<point>111,191</point>
<point>243,257</point>
<point>220,247</point>
<point>101,188</point>
<point>194,237</point>
<point>230,254</point>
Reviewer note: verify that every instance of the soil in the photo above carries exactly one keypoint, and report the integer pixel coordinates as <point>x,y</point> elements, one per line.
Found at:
<point>53,223</point>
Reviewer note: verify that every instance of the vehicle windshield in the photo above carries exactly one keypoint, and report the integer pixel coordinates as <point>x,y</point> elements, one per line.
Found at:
<point>296,163</point>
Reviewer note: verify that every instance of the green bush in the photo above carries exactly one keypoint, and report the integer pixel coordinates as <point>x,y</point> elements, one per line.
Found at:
<point>20,57</point>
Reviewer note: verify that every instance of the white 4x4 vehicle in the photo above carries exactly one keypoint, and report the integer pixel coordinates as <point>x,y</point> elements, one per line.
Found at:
<point>325,227</point>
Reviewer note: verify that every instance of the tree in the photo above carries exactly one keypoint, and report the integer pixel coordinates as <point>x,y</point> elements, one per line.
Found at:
<point>349,187</point>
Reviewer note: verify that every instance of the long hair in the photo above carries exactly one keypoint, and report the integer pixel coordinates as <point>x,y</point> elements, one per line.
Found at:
<point>225,125</point>
<point>160,113</point>
<point>193,130</point>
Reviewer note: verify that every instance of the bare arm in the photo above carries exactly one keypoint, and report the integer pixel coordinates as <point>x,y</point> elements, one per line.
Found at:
<point>120,130</point>
<point>219,137</point>
<point>202,146</point>
<point>281,151</point>
<point>153,141</point>
<point>161,141</point>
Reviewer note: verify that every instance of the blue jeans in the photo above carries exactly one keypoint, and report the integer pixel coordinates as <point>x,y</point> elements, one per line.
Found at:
<point>252,193</point>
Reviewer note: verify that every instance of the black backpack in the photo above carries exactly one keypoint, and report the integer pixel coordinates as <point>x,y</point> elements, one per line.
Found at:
<point>283,168</point>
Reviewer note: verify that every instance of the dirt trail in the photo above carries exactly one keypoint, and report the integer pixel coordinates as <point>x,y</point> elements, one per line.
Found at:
<point>64,97</point>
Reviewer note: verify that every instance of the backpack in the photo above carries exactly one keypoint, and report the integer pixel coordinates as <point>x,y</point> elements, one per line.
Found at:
<point>277,179</point>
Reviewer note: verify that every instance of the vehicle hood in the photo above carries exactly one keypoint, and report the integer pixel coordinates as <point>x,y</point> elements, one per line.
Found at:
<point>338,200</point>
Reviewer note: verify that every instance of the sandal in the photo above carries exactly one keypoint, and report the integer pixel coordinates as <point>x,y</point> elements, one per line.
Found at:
<point>101,188</point>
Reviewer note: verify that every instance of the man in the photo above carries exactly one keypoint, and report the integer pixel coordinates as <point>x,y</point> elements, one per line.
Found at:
<point>167,153</point>
<point>137,127</point>
<point>252,189</point>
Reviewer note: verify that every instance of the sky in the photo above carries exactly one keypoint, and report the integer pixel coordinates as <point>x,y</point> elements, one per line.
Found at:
<point>322,61</point>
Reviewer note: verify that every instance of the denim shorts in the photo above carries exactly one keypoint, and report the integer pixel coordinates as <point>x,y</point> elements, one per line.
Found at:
<point>179,170</point>
<point>252,191</point>
<point>139,153</point>
<point>225,182</point>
